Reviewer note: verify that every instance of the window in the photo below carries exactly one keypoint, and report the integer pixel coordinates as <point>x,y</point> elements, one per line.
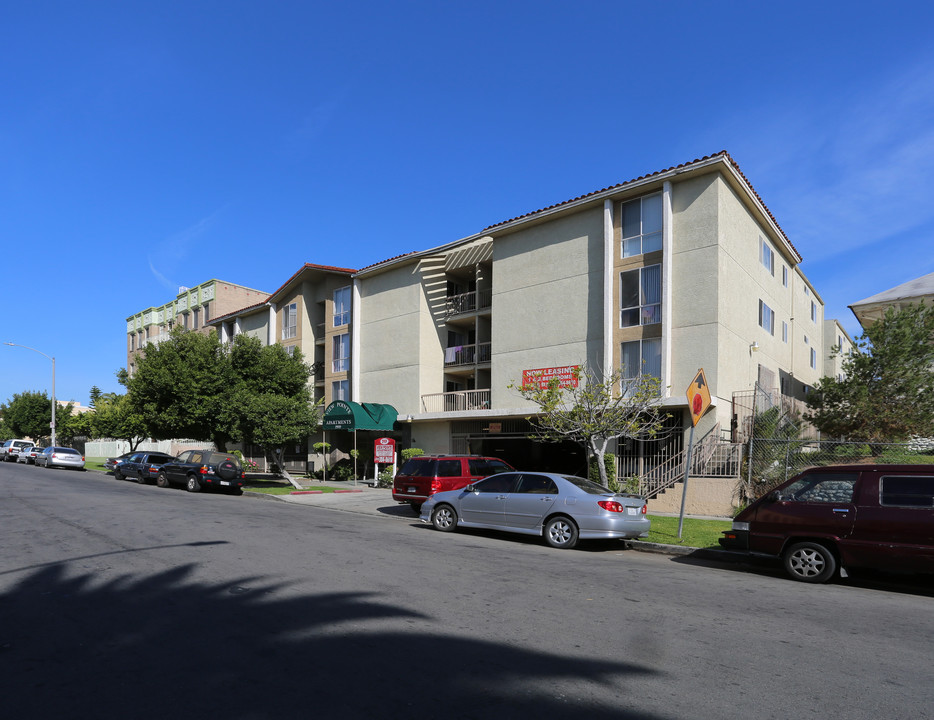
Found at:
<point>821,488</point>
<point>839,343</point>
<point>785,275</point>
<point>195,316</point>
<point>766,318</point>
<point>910,491</point>
<point>784,332</point>
<point>806,342</point>
<point>767,256</point>
<point>132,342</point>
<point>813,358</point>
<point>290,321</point>
<point>641,357</point>
<point>290,351</point>
<point>813,311</point>
<point>641,296</point>
<point>342,306</point>
<point>340,390</point>
<point>641,224</point>
<point>341,353</point>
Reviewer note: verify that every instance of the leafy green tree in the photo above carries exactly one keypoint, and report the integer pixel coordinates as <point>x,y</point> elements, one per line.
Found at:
<point>272,404</point>
<point>593,410</point>
<point>115,417</point>
<point>70,425</point>
<point>887,392</point>
<point>28,414</point>
<point>94,394</point>
<point>183,388</point>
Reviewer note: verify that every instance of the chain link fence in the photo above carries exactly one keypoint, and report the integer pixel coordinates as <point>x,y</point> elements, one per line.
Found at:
<point>770,461</point>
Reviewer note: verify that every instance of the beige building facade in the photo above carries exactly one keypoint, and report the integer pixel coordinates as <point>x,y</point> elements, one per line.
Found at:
<point>666,274</point>
<point>193,308</point>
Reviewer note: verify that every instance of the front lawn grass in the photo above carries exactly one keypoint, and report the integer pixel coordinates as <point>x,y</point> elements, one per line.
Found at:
<point>279,487</point>
<point>695,532</point>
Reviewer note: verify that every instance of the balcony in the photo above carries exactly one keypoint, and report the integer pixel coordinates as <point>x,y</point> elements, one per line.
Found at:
<point>456,401</point>
<point>463,355</point>
<point>468,302</point>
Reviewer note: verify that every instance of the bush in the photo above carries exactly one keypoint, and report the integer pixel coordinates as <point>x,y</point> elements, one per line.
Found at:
<point>411,452</point>
<point>385,477</point>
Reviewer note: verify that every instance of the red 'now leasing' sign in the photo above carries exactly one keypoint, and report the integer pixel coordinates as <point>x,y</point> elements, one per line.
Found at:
<point>567,376</point>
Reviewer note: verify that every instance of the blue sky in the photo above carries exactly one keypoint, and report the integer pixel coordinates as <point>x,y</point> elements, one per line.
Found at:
<point>148,145</point>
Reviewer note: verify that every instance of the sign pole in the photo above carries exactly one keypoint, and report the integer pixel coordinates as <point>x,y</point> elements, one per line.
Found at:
<point>684,485</point>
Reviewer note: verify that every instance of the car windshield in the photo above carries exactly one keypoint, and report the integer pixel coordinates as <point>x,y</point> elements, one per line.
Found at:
<point>65,451</point>
<point>588,486</point>
<point>419,466</point>
<point>218,458</point>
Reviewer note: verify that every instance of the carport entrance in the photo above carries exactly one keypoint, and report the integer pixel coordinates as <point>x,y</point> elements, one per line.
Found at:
<point>509,440</point>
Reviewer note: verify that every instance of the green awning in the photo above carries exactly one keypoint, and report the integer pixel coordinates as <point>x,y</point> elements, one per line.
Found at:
<point>346,415</point>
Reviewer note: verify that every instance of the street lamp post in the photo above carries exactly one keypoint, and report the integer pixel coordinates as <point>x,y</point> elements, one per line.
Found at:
<point>13,344</point>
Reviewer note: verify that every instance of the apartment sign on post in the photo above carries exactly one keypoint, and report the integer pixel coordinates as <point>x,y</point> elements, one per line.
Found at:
<point>384,451</point>
<point>567,376</point>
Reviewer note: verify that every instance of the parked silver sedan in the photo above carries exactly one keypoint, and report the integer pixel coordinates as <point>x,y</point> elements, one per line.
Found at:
<point>562,508</point>
<point>60,457</point>
<point>23,455</point>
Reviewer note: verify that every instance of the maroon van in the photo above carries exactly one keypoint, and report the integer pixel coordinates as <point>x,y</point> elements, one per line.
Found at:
<point>425,475</point>
<point>833,518</point>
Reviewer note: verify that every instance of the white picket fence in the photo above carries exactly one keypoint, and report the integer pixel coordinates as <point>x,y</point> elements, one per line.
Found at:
<point>114,448</point>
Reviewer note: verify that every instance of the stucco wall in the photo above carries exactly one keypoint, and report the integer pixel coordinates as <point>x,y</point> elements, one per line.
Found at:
<point>706,496</point>
<point>547,300</point>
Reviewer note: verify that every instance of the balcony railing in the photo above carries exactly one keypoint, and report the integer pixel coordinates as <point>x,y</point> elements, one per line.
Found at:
<point>456,401</point>
<point>459,355</point>
<point>469,302</point>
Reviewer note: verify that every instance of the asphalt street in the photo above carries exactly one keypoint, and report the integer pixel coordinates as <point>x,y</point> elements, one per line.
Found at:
<point>122,600</point>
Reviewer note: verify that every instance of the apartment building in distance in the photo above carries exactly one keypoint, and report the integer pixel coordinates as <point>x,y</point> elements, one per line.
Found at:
<point>665,274</point>
<point>192,308</point>
<point>311,311</point>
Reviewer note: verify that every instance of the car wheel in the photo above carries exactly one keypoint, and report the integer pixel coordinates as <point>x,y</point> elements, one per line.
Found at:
<point>161,480</point>
<point>444,518</point>
<point>117,474</point>
<point>561,532</point>
<point>193,485</point>
<point>416,507</point>
<point>810,562</point>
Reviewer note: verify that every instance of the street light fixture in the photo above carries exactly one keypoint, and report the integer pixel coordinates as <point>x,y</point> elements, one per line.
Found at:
<point>13,344</point>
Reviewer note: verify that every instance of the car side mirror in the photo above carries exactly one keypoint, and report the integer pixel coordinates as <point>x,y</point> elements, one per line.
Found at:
<point>471,488</point>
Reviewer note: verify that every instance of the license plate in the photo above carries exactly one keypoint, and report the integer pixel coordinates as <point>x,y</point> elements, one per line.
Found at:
<point>224,482</point>
<point>632,511</point>
<point>411,489</point>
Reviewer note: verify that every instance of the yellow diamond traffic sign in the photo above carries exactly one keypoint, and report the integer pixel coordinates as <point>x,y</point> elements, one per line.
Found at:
<point>698,396</point>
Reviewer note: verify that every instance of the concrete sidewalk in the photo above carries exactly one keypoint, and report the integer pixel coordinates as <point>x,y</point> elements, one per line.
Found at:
<point>367,500</point>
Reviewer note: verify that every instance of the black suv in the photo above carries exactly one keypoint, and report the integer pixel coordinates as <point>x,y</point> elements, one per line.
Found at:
<point>144,466</point>
<point>203,469</point>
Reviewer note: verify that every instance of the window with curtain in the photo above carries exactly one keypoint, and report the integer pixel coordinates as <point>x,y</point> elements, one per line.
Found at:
<point>641,357</point>
<point>340,390</point>
<point>342,306</point>
<point>290,321</point>
<point>641,296</point>
<point>341,353</point>
<point>641,224</point>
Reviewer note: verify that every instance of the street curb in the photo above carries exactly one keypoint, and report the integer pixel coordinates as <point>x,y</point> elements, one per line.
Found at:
<point>321,492</point>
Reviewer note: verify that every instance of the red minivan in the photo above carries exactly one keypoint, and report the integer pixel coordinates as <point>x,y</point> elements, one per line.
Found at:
<point>832,518</point>
<point>426,475</point>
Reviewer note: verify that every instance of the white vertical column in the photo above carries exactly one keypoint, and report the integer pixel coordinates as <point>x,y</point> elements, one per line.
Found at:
<point>355,342</point>
<point>609,312</point>
<point>271,335</point>
<point>666,288</point>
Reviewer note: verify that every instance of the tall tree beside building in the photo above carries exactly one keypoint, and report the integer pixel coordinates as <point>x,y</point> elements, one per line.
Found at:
<point>182,388</point>
<point>28,414</point>
<point>887,392</point>
<point>272,400</point>
<point>593,410</point>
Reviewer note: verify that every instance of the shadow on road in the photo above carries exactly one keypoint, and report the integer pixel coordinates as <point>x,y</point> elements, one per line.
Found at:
<point>169,646</point>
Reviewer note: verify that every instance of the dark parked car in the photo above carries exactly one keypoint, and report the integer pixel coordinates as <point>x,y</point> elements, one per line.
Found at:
<point>143,466</point>
<point>111,463</point>
<point>832,518</point>
<point>561,508</point>
<point>423,476</point>
<point>203,469</point>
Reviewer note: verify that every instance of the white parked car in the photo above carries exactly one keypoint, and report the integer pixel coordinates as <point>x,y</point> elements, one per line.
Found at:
<point>60,457</point>
<point>10,450</point>
<point>23,454</point>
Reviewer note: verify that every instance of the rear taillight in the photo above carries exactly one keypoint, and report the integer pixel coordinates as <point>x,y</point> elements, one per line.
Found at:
<point>611,505</point>
<point>645,509</point>
<point>204,470</point>
<point>435,487</point>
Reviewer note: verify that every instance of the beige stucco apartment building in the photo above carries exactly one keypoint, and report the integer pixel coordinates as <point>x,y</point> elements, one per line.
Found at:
<point>192,308</point>
<point>669,273</point>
